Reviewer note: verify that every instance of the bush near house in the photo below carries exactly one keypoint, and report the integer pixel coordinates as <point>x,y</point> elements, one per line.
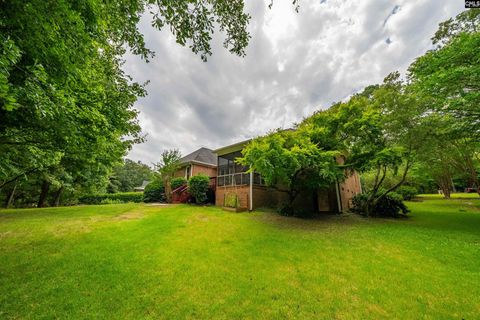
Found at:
<point>119,197</point>
<point>198,187</point>
<point>391,205</point>
<point>231,200</point>
<point>154,192</point>
<point>177,182</point>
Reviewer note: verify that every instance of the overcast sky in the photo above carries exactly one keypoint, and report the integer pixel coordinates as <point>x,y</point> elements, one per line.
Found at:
<point>296,63</point>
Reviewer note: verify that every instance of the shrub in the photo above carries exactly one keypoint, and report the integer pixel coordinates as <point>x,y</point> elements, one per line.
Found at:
<point>110,201</point>
<point>154,192</point>
<point>177,182</point>
<point>407,192</point>
<point>198,187</point>
<point>391,205</point>
<point>120,197</point>
<point>231,200</point>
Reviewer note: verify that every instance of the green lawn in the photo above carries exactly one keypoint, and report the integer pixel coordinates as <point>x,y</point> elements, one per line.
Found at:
<point>453,196</point>
<point>135,261</point>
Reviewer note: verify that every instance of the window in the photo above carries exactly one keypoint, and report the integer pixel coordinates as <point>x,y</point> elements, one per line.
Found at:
<point>231,173</point>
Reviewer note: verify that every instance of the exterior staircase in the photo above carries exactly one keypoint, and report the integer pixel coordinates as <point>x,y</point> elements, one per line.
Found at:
<point>181,195</point>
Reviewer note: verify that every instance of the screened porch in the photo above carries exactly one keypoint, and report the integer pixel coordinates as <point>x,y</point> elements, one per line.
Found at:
<point>231,173</point>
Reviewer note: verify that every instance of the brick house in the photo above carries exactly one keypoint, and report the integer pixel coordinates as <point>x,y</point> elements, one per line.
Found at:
<point>252,193</point>
<point>202,161</point>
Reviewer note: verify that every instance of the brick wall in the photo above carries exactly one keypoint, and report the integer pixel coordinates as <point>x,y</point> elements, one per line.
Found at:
<point>348,189</point>
<point>267,197</point>
<point>198,169</point>
<point>180,173</point>
<point>326,200</point>
<point>241,191</point>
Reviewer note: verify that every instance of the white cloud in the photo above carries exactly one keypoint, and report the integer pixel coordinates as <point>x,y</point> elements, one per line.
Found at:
<point>296,63</point>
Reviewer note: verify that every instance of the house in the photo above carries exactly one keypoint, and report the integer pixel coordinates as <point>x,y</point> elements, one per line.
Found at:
<point>250,191</point>
<point>142,187</point>
<point>203,161</point>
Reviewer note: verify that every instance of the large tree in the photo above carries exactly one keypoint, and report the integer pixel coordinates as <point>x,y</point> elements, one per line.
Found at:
<point>379,130</point>
<point>65,103</point>
<point>167,166</point>
<point>449,75</point>
<point>291,162</point>
<point>128,175</point>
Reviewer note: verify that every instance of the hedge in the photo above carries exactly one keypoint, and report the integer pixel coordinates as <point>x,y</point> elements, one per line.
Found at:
<point>154,192</point>
<point>112,198</point>
<point>407,192</point>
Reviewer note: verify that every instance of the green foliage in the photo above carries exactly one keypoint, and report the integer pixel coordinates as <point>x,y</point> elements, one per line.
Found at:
<point>231,200</point>
<point>449,77</point>
<point>66,105</point>
<point>407,192</point>
<point>390,205</point>
<point>167,166</point>
<point>129,175</point>
<point>466,21</point>
<point>111,198</point>
<point>178,182</point>
<point>154,191</point>
<point>291,161</point>
<point>198,187</point>
<point>111,201</point>
<point>169,162</point>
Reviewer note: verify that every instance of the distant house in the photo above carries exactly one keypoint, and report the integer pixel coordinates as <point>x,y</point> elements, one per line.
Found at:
<point>142,187</point>
<point>251,192</point>
<point>202,161</point>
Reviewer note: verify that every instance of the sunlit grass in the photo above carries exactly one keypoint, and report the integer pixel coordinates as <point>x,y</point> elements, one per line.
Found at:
<point>136,261</point>
<point>453,196</point>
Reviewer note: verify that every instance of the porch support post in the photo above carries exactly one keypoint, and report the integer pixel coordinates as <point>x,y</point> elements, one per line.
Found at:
<point>251,191</point>
<point>339,201</point>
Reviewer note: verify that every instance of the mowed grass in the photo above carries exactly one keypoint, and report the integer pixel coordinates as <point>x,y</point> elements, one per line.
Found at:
<point>459,195</point>
<point>135,261</point>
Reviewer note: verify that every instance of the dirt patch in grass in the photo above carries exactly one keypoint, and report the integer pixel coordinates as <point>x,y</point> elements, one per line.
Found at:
<point>129,216</point>
<point>200,218</point>
<point>87,225</point>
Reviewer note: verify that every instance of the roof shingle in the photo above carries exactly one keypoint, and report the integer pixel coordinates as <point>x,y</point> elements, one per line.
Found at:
<point>204,155</point>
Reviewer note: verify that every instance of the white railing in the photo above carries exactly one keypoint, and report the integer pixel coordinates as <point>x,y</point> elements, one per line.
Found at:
<point>238,179</point>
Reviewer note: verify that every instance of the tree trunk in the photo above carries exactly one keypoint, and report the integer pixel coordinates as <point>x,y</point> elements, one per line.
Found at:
<point>58,195</point>
<point>43,194</point>
<point>444,185</point>
<point>10,197</point>
<point>453,186</point>
<point>168,190</point>
<point>446,192</point>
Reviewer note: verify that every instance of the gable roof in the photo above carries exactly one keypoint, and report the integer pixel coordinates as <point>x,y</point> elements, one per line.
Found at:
<point>240,145</point>
<point>232,148</point>
<point>202,156</point>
